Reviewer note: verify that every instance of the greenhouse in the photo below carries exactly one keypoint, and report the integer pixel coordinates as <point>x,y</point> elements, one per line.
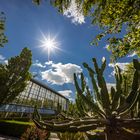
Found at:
<point>36,93</point>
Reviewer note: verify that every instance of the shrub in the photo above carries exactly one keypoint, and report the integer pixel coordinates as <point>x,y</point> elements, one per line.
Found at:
<point>71,136</point>
<point>13,128</point>
<point>34,133</point>
<point>23,119</point>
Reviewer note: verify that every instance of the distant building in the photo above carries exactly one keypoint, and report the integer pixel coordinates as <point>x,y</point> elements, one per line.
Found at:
<point>36,93</point>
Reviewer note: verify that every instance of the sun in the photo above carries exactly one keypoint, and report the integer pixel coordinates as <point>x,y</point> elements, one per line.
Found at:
<point>49,43</point>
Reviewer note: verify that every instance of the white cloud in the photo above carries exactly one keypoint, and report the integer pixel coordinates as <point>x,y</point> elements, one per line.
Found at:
<point>66,93</point>
<point>49,63</point>
<point>132,55</point>
<point>2,57</point>
<point>106,46</point>
<point>53,77</point>
<point>75,13</point>
<point>38,64</point>
<point>72,100</point>
<point>3,60</point>
<point>111,65</point>
<point>122,66</point>
<point>60,73</point>
<point>109,85</point>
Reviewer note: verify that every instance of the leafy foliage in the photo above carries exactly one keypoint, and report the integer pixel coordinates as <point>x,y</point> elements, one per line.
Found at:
<point>37,2</point>
<point>128,75</point>
<point>111,17</point>
<point>14,76</point>
<point>3,38</point>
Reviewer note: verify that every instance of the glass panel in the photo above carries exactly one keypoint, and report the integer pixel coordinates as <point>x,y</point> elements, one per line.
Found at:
<point>34,94</point>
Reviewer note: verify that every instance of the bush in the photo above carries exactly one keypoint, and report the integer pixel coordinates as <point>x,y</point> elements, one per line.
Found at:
<point>33,133</point>
<point>13,128</point>
<point>71,136</point>
<point>97,136</point>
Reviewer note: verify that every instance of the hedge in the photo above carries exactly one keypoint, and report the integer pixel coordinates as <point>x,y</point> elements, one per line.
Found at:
<point>23,119</point>
<point>13,128</point>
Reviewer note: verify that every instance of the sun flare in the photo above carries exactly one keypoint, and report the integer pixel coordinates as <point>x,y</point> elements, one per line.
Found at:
<point>49,43</point>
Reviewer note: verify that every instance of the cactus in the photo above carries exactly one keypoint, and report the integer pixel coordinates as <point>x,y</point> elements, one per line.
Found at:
<point>71,136</point>
<point>109,106</point>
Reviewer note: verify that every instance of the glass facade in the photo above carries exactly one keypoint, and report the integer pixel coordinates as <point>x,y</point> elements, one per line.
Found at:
<point>47,100</point>
<point>39,94</point>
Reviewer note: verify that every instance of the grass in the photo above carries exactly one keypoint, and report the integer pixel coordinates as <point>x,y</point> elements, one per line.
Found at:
<point>17,122</point>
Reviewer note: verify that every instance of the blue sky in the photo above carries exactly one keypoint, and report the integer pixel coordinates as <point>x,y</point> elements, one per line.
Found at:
<point>24,24</point>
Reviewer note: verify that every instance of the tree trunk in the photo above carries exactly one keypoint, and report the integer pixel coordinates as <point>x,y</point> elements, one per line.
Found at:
<point>111,134</point>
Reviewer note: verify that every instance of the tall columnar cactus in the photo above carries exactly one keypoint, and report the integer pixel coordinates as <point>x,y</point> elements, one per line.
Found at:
<point>111,102</point>
<point>109,107</point>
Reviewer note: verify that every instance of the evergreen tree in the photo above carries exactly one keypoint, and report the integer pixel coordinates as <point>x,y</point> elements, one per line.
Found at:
<point>14,76</point>
<point>3,38</point>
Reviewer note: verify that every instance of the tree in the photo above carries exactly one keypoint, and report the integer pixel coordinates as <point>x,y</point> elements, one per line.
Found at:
<point>111,16</point>
<point>111,108</point>
<point>3,38</point>
<point>14,76</point>
<point>128,75</point>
